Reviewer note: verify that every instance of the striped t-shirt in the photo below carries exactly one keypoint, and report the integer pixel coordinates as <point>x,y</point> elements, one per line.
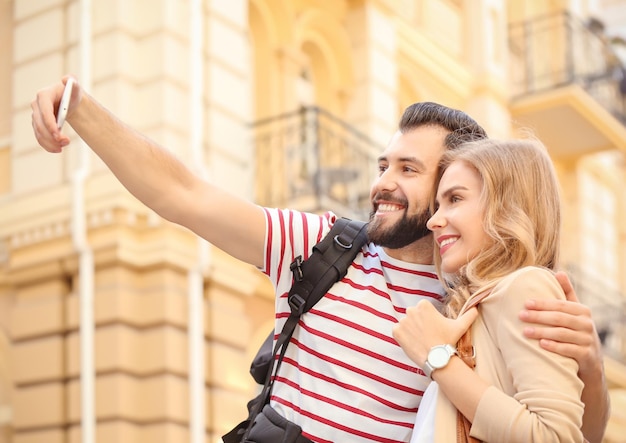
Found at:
<point>344,378</point>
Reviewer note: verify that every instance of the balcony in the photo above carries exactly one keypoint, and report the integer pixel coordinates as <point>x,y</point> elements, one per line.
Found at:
<point>565,80</point>
<point>312,161</point>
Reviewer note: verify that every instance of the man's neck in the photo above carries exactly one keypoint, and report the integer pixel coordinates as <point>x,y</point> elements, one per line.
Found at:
<point>420,252</point>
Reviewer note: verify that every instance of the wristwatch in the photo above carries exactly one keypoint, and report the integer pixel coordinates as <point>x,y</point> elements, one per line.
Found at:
<point>438,357</point>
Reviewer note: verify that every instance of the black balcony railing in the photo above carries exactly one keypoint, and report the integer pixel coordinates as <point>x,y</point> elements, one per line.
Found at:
<point>312,161</point>
<point>556,50</point>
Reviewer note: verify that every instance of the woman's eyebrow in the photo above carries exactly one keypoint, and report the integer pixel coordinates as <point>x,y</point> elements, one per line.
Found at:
<point>451,189</point>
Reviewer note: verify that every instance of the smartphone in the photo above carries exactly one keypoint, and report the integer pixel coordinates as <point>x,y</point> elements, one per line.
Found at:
<point>64,104</point>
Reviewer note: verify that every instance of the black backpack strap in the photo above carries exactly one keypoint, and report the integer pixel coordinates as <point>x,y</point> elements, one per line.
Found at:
<point>328,264</point>
<point>313,277</point>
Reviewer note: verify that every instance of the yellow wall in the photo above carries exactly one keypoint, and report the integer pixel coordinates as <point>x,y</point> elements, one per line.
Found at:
<point>362,60</point>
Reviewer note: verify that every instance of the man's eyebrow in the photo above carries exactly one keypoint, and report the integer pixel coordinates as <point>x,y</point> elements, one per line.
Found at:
<point>383,158</point>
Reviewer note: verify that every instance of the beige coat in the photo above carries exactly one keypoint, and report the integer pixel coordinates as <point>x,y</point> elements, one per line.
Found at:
<point>535,394</point>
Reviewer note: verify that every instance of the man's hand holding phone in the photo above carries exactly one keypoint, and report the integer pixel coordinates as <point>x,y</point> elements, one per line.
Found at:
<point>50,109</point>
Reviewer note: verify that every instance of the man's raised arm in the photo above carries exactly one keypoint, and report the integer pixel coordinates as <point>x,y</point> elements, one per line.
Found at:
<point>153,175</point>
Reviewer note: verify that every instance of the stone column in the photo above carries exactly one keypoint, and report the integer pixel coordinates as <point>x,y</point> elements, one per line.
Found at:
<point>487,54</point>
<point>374,104</point>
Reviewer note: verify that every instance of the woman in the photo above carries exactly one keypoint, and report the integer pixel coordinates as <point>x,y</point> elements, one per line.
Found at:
<point>497,230</point>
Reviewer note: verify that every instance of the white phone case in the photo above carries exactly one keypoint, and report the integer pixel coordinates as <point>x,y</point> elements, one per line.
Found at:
<point>65,103</point>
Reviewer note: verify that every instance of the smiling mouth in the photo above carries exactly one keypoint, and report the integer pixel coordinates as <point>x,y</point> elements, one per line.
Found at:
<point>446,244</point>
<point>388,207</point>
<point>447,241</point>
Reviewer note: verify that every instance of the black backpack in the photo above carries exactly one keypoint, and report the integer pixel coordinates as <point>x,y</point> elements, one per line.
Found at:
<point>312,278</point>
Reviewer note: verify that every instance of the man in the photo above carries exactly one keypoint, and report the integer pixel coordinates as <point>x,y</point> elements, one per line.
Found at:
<point>344,377</point>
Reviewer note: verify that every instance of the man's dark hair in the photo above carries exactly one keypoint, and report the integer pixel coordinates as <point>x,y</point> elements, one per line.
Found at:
<point>462,127</point>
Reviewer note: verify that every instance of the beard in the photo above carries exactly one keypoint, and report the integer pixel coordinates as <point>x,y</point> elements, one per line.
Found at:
<point>406,231</point>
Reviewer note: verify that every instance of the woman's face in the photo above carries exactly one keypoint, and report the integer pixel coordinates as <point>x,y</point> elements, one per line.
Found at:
<point>457,224</point>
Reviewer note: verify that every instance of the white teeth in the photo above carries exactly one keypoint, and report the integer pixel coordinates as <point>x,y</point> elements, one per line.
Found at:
<point>447,241</point>
<point>387,208</point>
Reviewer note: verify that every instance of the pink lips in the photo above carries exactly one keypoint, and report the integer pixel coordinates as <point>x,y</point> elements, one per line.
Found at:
<point>443,248</point>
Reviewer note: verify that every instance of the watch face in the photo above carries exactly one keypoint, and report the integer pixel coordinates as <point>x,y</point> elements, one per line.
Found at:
<point>438,357</point>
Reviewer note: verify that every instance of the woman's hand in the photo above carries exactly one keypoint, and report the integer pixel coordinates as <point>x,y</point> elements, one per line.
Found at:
<point>424,327</point>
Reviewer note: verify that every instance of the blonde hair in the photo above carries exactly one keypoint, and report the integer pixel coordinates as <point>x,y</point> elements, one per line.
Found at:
<point>520,194</point>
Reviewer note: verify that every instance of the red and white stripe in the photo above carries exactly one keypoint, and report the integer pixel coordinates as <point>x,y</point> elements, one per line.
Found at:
<point>344,378</point>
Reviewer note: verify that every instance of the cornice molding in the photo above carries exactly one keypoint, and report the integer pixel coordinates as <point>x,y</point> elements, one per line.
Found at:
<point>114,235</point>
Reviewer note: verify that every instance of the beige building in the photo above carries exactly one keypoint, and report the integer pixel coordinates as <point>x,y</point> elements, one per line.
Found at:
<point>117,326</point>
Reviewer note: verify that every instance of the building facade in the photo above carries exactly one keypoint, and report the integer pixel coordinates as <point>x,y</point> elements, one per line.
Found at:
<point>116,325</point>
